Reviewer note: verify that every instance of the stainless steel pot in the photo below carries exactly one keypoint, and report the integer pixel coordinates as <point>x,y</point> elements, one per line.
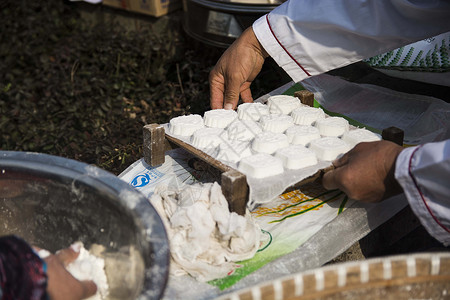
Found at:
<point>52,202</point>
<point>220,22</point>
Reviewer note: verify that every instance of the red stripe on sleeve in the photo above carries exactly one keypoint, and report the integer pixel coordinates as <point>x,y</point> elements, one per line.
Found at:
<point>421,195</point>
<point>287,52</point>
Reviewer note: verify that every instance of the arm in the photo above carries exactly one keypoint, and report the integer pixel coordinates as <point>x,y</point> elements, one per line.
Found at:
<point>424,174</point>
<point>371,172</point>
<point>22,272</point>
<point>23,275</point>
<point>307,38</point>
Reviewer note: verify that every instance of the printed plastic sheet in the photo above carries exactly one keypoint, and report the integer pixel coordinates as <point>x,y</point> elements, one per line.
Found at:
<point>299,243</point>
<point>286,223</point>
<point>301,229</point>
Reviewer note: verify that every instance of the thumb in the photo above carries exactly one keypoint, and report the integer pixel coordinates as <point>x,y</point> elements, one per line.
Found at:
<point>332,179</point>
<point>329,180</point>
<point>66,256</point>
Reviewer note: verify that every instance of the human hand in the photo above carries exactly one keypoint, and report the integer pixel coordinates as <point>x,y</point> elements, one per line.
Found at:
<point>235,71</point>
<point>366,173</point>
<point>61,284</point>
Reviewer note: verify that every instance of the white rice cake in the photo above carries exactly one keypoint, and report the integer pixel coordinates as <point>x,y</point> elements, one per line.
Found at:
<point>276,122</point>
<point>261,165</point>
<point>252,111</point>
<point>302,134</point>
<point>219,118</point>
<point>307,115</point>
<point>329,148</point>
<point>332,126</point>
<point>186,125</point>
<point>282,104</point>
<point>234,151</point>
<point>354,137</point>
<point>269,142</point>
<point>296,157</point>
<point>208,138</point>
<point>244,130</point>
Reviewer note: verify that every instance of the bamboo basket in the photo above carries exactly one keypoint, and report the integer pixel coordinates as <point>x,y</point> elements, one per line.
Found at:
<point>415,276</point>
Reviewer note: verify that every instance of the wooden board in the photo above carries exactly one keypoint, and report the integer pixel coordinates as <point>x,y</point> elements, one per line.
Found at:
<point>198,153</point>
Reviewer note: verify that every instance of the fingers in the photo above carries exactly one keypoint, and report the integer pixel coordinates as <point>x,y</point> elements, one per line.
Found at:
<point>232,89</point>
<point>366,173</point>
<point>62,284</point>
<point>229,97</point>
<point>341,160</point>
<point>216,83</point>
<point>246,93</point>
<point>89,288</point>
<point>331,179</point>
<point>235,70</point>
<point>66,256</point>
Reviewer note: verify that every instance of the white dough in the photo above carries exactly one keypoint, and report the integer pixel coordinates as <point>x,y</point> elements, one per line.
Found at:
<point>329,148</point>
<point>207,138</point>
<point>219,118</point>
<point>90,267</point>
<point>302,134</point>
<point>276,122</point>
<point>234,151</point>
<point>86,267</point>
<point>206,239</point>
<point>354,137</point>
<point>283,104</point>
<point>252,111</point>
<point>43,253</point>
<point>307,115</point>
<point>332,126</point>
<point>296,157</point>
<point>244,130</point>
<point>269,142</point>
<point>261,165</point>
<point>186,125</point>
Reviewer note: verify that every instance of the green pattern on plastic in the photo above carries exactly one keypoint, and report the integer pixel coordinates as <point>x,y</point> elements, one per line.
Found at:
<point>431,55</point>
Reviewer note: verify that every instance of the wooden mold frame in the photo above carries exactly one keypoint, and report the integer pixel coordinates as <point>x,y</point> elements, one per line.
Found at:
<point>234,183</point>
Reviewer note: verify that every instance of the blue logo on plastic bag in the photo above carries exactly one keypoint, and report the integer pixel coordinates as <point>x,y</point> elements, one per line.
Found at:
<point>150,176</point>
<point>140,180</point>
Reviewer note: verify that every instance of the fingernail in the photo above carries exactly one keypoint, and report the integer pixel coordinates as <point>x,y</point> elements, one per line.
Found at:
<point>228,106</point>
<point>76,247</point>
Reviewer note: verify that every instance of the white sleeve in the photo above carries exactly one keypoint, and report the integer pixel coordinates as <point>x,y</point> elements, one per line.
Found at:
<point>309,37</point>
<point>424,174</point>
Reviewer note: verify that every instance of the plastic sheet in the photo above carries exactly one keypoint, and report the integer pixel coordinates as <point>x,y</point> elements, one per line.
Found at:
<point>422,118</point>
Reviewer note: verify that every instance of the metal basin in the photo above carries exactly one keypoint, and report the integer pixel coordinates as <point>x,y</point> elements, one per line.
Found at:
<point>219,22</point>
<point>52,202</point>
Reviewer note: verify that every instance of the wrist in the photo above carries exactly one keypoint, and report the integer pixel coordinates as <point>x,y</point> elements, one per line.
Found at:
<point>393,187</point>
<point>254,42</point>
